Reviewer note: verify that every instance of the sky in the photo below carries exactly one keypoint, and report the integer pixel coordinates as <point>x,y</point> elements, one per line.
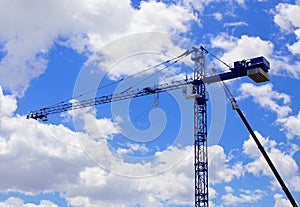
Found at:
<point>139,152</point>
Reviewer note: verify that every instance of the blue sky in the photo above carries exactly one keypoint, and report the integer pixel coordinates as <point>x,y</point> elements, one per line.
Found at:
<point>132,153</point>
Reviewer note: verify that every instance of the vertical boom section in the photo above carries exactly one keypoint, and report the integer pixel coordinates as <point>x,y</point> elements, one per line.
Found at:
<point>200,130</point>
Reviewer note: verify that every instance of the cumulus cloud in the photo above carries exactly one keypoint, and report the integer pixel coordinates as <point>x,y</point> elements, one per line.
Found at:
<point>85,121</point>
<point>280,201</point>
<point>295,48</point>
<point>220,169</point>
<point>57,158</point>
<point>31,29</point>
<point>12,202</point>
<point>285,66</point>
<point>267,98</point>
<point>54,155</point>
<point>134,53</point>
<point>54,152</point>
<point>173,187</point>
<point>287,18</point>
<point>245,196</point>
<point>291,125</point>
<point>284,163</point>
<point>8,104</point>
<point>29,147</point>
<point>241,48</point>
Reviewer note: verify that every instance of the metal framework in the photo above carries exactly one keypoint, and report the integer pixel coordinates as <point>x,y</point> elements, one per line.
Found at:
<point>77,104</point>
<point>200,131</point>
<point>255,68</point>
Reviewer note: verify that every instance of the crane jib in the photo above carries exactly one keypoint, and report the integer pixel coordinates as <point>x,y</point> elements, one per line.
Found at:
<point>242,68</point>
<point>77,104</point>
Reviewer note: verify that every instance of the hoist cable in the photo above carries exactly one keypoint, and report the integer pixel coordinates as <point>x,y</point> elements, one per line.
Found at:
<point>203,49</point>
<point>175,60</point>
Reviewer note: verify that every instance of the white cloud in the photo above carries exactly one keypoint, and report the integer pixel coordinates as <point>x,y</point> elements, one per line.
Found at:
<point>134,53</point>
<point>241,48</point>
<point>285,66</point>
<point>294,183</point>
<point>29,31</point>
<point>54,155</point>
<point>131,148</point>
<point>280,201</point>
<point>85,121</point>
<point>250,148</point>
<point>241,2</point>
<point>174,187</point>
<point>8,104</point>
<point>220,169</point>
<point>212,193</point>
<point>235,24</point>
<point>267,98</point>
<point>96,179</point>
<point>245,196</point>
<point>101,188</point>
<point>28,146</point>
<point>228,189</point>
<point>295,48</point>
<point>84,201</point>
<point>13,202</point>
<point>218,16</point>
<point>291,125</point>
<point>173,18</point>
<point>287,17</point>
<point>199,6</point>
<point>195,5</point>
<point>284,163</point>
<point>84,26</point>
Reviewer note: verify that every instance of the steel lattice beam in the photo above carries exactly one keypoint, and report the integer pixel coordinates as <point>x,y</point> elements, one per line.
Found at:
<point>200,131</point>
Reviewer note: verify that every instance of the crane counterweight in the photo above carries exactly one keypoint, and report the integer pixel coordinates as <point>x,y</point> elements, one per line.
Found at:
<point>258,75</point>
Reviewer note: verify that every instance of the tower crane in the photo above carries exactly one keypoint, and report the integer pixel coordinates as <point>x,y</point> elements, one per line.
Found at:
<point>256,68</point>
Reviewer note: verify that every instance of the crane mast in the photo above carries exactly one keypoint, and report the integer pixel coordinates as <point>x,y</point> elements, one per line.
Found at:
<point>200,130</point>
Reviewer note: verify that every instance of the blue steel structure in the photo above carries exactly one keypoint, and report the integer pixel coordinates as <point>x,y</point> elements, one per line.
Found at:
<point>200,129</point>
<point>255,68</point>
